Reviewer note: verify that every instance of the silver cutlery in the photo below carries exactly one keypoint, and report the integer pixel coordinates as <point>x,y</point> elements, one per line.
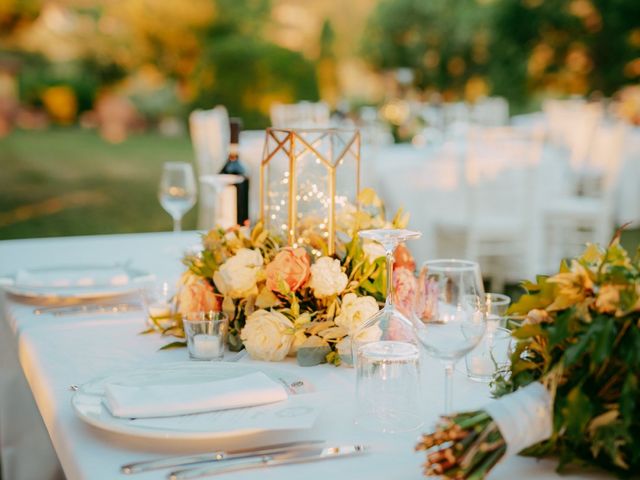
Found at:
<point>88,308</point>
<point>216,456</point>
<point>270,460</point>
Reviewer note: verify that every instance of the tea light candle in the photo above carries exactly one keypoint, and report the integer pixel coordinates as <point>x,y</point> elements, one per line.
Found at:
<point>159,310</point>
<point>206,346</point>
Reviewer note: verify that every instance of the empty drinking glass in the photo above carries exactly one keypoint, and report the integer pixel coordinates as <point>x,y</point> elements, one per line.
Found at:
<point>449,313</point>
<point>492,352</point>
<point>157,300</point>
<point>387,357</point>
<point>177,192</point>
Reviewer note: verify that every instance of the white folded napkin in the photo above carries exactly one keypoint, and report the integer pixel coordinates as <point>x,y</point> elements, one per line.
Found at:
<point>171,400</point>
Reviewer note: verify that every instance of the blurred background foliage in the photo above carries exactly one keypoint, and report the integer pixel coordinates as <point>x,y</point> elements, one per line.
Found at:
<point>169,57</point>
<point>74,73</point>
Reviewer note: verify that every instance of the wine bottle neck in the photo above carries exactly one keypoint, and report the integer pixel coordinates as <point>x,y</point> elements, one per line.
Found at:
<point>234,151</point>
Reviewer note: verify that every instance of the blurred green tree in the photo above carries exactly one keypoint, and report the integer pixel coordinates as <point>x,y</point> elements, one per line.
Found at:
<point>561,47</point>
<point>238,68</point>
<point>445,43</point>
<point>517,48</point>
<point>247,75</point>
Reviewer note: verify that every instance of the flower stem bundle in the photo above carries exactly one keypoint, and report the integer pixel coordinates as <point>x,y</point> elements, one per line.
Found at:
<point>463,446</point>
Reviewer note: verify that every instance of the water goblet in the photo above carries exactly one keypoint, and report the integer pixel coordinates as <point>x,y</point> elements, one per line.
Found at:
<point>386,356</point>
<point>449,313</point>
<point>177,191</point>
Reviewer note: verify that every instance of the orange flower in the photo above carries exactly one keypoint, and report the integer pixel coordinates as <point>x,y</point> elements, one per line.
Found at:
<point>197,296</point>
<point>291,266</point>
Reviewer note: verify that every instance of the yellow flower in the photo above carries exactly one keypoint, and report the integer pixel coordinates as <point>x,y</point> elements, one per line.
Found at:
<point>573,287</point>
<point>608,299</point>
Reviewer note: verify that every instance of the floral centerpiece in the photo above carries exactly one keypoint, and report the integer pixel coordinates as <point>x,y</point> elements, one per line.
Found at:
<point>573,389</point>
<point>282,300</point>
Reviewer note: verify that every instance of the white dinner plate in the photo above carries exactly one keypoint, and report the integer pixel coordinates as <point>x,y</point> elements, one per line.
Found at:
<point>88,402</point>
<point>75,281</point>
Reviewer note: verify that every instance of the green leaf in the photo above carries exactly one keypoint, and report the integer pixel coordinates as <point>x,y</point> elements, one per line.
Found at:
<point>577,412</point>
<point>605,334</point>
<point>172,345</point>
<point>311,356</point>
<point>575,351</point>
<point>527,331</point>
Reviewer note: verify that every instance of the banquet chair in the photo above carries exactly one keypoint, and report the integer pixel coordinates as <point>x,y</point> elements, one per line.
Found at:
<point>209,131</point>
<point>498,227</point>
<point>571,125</point>
<point>574,219</point>
<point>300,115</point>
<point>490,112</point>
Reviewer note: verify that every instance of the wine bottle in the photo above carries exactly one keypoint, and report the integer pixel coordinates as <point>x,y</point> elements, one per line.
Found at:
<point>236,197</point>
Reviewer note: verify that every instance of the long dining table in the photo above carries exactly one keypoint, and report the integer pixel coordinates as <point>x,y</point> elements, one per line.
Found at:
<point>41,437</point>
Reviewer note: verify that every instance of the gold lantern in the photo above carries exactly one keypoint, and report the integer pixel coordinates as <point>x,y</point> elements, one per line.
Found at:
<point>308,178</point>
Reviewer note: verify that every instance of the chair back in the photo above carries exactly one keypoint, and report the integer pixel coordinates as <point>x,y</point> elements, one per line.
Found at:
<point>209,130</point>
<point>300,115</point>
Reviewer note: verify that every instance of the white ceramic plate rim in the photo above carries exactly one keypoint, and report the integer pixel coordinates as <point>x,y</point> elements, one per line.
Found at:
<point>137,277</point>
<point>105,421</point>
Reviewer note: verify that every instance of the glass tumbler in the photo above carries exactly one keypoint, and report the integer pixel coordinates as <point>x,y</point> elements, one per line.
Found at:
<point>492,353</point>
<point>157,300</point>
<point>206,334</point>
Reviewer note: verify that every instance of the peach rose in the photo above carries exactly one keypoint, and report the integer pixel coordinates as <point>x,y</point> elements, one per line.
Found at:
<point>403,258</point>
<point>291,265</point>
<point>405,286</point>
<point>197,296</point>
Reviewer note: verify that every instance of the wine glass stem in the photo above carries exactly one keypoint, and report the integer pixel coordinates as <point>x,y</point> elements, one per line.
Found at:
<point>390,293</point>
<point>448,388</point>
<point>177,224</point>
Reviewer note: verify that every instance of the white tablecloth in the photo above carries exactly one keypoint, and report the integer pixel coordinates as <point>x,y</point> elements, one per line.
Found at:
<point>56,352</point>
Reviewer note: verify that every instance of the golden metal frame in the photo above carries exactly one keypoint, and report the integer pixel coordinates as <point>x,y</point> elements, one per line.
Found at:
<point>287,145</point>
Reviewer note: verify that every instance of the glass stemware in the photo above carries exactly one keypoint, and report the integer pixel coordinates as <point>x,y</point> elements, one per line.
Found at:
<point>386,356</point>
<point>177,192</point>
<point>449,313</point>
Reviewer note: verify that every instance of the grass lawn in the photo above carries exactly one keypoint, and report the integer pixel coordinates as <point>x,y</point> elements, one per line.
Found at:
<point>71,182</point>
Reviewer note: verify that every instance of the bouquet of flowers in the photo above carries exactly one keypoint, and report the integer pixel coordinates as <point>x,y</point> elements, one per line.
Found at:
<point>283,300</point>
<point>574,384</point>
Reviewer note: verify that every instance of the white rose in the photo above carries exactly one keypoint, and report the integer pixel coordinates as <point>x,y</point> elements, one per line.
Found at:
<point>373,250</point>
<point>355,311</point>
<point>327,277</point>
<point>237,277</point>
<point>298,339</point>
<point>267,335</point>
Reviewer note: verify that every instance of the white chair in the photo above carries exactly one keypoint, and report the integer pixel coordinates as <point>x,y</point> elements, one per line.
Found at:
<point>300,115</point>
<point>498,180</point>
<point>490,112</point>
<point>210,134</point>
<point>572,220</point>
<point>571,125</point>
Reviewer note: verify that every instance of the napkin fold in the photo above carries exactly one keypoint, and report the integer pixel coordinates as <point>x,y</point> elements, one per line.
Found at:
<point>171,400</point>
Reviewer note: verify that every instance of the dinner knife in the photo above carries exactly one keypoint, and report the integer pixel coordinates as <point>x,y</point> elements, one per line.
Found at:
<point>285,458</point>
<point>88,309</point>
<point>217,456</point>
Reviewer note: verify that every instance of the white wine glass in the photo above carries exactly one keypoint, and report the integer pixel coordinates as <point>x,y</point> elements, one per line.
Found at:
<point>449,313</point>
<point>177,192</point>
